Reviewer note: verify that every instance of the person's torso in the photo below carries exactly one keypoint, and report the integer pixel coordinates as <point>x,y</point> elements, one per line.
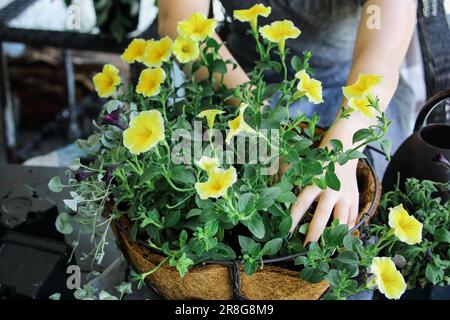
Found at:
<point>329,29</point>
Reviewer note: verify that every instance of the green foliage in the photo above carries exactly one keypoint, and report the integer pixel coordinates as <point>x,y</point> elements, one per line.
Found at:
<point>427,262</point>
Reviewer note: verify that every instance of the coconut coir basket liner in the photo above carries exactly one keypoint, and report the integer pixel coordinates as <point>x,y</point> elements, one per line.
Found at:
<point>221,280</point>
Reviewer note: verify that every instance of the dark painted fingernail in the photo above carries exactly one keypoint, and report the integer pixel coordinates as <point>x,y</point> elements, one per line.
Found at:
<point>289,235</point>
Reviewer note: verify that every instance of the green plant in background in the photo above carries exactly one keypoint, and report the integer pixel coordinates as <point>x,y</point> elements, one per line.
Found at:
<point>204,207</point>
<point>116,17</point>
<point>427,262</point>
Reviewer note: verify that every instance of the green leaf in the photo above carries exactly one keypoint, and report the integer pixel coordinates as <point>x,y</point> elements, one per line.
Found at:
<point>311,167</point>
<point>272,192</point>
<point>264,203</point>
<point>336,144</point>
<point>296,63</point>
<point>212,43</point>
<point>71,204</point>
<point>292,156</point>
<point>332,180</point>
<point>334,235</point>
<point>312,275</point>
<point>246,242</point>
<point>63,223</point>
<point>55,184</point>
<point>320,181</point>
<point>246,202</point>
<point>304,228</point>
<point>386,146</point>
<point>172,219</point>
<point>285,225</point>
<point>272,247</point>
<point>74,164</point>
<point>219,67</point>
<point>355,154</point>
<point>194,212</point>
<point>55,296</point>
<point>433,274</point>
<point>182,174</point>
<point>183,264</point>
<point>256,226</point>
<point>106,296</point>
<point>442,235</point>
<point>287,197</point>
<point>348,257</point>
<point>333,278</point>
<point>361,135</point>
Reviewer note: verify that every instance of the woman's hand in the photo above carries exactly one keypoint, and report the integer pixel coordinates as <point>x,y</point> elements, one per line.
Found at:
<point>343,203</point>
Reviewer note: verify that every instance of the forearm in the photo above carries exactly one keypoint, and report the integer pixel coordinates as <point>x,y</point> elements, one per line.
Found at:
<point>378,51</point>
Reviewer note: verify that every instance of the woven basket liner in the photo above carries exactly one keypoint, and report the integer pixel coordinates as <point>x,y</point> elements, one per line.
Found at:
<point>213,281</point>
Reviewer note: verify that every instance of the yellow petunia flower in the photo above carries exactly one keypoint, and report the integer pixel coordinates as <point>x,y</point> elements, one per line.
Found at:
<point>150,81</point>
<point>135,51</point>
<point>197,27</point>
<point>312,88</point>
<point>210,116</point>
<point>208,164</point>
<point>251,15</point>
<point>185,49</point>
<point>218,183</point>
<point>106,82</point>
<point>362,86</point>
<point>388,279</point>
<point>157,52</point>
<point>238,125</point>
<point>144,132</point>
<point>279,31</point>
<point>362,105</point>
<point>406,227</point>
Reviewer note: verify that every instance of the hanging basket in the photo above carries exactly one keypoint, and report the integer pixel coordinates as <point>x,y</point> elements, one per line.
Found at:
<point>224,280</point>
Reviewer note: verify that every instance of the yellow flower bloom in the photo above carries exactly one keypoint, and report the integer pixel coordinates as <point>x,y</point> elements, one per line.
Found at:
<point>144,132</point>
<point>106,82</point>
<point>150,81</point>
<point>208,164</point>
<point>210,116</point>
<point>388,279</point>
<point>135,51</point>
<point>238,125</point>
<point>197,27</point>
<point>251,15</point>
<point>362,105</point>
<point>279,31</point>
<point>407,228</point>
<point>218,183</point>
<point>312,88</point>
<point>185,49</point>
<point>362,86</point>
<point>157,52</point>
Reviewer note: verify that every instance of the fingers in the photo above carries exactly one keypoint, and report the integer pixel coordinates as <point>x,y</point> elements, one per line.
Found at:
<point>321,216</point>
<point>341,211</point>
<point>353,213</point>
<point>304,201</point>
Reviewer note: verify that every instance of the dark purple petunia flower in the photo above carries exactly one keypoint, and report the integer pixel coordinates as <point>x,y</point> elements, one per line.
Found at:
<point>107,177</point>
<point>114,119</point>
<point>83,175</point>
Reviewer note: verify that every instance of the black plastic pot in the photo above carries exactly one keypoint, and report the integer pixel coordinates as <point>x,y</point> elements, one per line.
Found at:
<point>416,157</point>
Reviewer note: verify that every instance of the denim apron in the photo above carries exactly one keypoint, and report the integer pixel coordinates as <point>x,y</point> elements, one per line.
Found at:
<point>329,29</point>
